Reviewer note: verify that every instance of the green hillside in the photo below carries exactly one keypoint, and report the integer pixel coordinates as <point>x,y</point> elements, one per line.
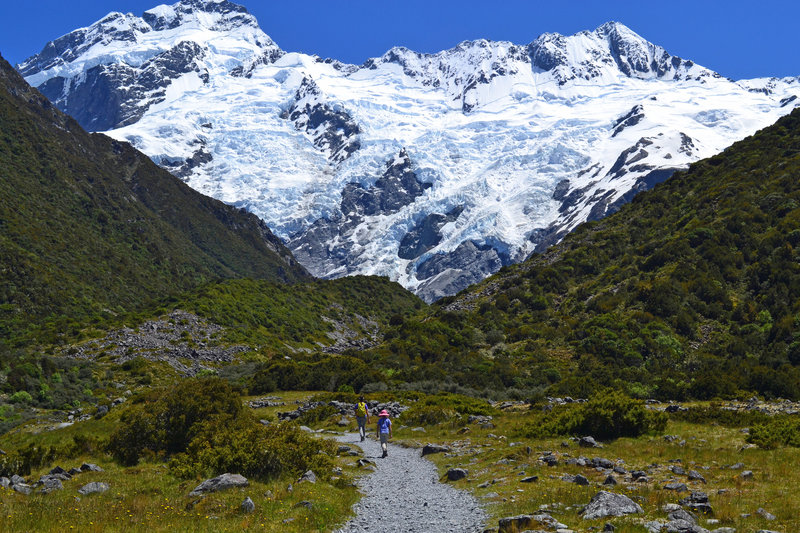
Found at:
<point>90,227</point>
<point>692,290</point>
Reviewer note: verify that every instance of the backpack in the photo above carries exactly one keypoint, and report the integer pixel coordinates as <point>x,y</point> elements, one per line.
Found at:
<point>361,409</point>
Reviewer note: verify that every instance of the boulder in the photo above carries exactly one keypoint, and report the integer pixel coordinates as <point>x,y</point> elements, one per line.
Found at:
<point>90,467</point>
<point>93,487</point>
<point>223,482</point>
<point>697,501</point>
<point>694,475</point>
<point>610,480</point>
<point>581,480</point>
<point>606,503</point>
<point>429,449</point>
<point>248,506</point>
<point>747,475</point>
<point>22,488</point>
<point>765,514</point>
<point>588,442</point>
<point>308,477</point>
<point>454,474</point>
<point>50,484</point>
<point>15,479</point>
<point>529,479</point>
<point>5,482</point>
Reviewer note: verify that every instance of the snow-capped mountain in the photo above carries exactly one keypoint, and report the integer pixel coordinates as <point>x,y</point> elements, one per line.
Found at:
<point>432,169</point>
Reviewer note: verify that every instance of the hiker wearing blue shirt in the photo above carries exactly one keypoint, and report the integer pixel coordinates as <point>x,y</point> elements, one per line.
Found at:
<point>384,431</point>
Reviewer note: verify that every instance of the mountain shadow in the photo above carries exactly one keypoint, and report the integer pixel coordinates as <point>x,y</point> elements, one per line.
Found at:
<point>90,227</point>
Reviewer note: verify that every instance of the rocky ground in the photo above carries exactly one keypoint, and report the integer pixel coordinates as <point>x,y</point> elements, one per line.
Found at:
<point>404,495</point>
<point>184,340</point>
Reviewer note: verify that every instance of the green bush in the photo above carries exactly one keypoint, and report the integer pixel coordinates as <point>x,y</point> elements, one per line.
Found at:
<point>166,421</point>
<point>779,431</point>
<point>21,397</point>
<point>243,446</point>
<point>317,414</point>
<point>608,415</point>
<point>429,415</point>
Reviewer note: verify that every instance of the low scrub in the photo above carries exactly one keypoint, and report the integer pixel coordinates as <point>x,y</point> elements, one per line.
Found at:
<point>779,431</point>
<point>605,416</point>
<point>243,446</point>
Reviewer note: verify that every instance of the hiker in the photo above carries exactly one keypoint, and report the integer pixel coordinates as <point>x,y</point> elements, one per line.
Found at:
<point>362,417</point>
<point>384,431</point>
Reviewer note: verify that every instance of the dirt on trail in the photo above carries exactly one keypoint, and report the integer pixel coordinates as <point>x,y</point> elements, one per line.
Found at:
<point>404,495</point>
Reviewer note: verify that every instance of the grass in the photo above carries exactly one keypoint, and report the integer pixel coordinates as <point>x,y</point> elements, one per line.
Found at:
<point>499,458</point>
<point>149,497</point>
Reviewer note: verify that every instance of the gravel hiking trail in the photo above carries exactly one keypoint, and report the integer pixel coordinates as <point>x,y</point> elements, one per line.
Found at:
<point>404,495</point>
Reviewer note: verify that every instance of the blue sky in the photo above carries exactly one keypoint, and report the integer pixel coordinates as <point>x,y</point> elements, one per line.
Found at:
<point>738,39</point>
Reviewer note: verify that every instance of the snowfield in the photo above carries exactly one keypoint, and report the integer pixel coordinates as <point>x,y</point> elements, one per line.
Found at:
<point>433,170</point>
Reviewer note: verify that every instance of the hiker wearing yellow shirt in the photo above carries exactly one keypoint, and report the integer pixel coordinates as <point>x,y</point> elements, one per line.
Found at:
<point>362,417</point>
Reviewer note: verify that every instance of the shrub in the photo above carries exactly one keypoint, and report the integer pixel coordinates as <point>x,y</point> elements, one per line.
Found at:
<point>317,414</point>
<point>164,422</point>
<point>779,431</point>
<point>243,446</point>
<point>608,415</point>
<point>21,397</point>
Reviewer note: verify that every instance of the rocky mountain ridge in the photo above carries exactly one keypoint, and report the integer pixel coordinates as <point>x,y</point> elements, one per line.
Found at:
<point>512,146</point>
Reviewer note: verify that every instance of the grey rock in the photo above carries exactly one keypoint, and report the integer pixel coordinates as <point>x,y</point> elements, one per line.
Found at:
<point>93,487</point>
<point>309,477</point>
<point>682,514</point>
<point>74,471</point>
<point>51,484</point>
<point>588,442</point>
<point>694,475</point>
<point>22,488</point>
<point>90,467</point>
<point>765,514</point>
<point>581,480</point>
<point>223,482</point>
<point>15,479</point>
<point>248,506</point>
<point>101,411</point>
<point>5,482</point>
<point>529,479</point>
<point>747,475</point>
<point>455,474</point>
<point>606,503</point>
<point>602,463</point>
<point>724,530</point>
<point>610,480</point>
<point>429,449</point>
<point>305,503</point>
<point>678,470</point>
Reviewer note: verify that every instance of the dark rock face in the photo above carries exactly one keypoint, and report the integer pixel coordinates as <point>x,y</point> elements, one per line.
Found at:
<point>332,129</point>
<point>398,187</point>
<point>449,273</point>
<point>114,95</point>
<point>327,245</point>
<point>630,119</point>
<point>426,234</point>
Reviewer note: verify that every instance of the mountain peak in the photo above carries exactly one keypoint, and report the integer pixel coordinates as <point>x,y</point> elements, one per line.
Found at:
<point>197,12</point>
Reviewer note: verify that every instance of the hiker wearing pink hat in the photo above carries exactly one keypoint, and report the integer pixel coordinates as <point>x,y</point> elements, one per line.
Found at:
<point>384,431</point>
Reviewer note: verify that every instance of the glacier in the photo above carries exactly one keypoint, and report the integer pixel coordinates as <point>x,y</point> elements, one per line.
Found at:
<point>434,170</point>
